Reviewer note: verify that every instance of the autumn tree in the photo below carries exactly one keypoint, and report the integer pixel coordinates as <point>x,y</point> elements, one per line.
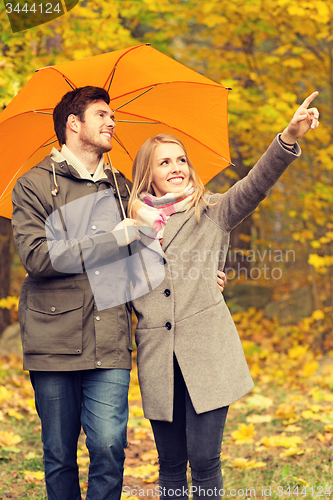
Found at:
<point>272,53</point>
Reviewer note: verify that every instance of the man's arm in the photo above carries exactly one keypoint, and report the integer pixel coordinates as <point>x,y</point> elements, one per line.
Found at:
<point>45,248</point>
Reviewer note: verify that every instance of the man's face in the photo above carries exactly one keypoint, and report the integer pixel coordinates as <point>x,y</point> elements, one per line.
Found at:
<point>97,130</point>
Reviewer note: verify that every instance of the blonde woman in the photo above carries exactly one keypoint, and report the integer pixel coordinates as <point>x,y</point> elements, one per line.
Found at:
<point>190,359</point>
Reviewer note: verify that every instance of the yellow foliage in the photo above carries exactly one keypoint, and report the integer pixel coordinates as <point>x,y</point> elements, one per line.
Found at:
<point>293,428</point>
<point>9,303</point>
<point>297,352</point>
<point>286,411</point>
<point>244,463</point>
<point>8,438</point>
<point>39,475</point>
<point>152,479</point>
<point>308,414</point>
<point>244,434</point>
<point>140,434</point>
<point>149,455</point>
<point>5,394</point>
<point>83,461</point>
<point>137,411</point>
<point>319,262</point>
<point>142,471</point>
<point>281,440</point>
<point>300,481</point>
<point>291,452</point>
<point>318,315</point>
<point>259,401</point>
<point>13,413</point>
<point>310,368</point>
<point>259,419</point>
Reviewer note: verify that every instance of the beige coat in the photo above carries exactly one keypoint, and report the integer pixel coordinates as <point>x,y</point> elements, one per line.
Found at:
<point>186,314</point>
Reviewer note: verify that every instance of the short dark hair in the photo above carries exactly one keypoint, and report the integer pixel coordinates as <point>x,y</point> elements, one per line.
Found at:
<point>75,102</point>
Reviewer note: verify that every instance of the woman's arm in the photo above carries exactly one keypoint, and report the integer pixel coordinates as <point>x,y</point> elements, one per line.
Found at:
<point>244,196</point>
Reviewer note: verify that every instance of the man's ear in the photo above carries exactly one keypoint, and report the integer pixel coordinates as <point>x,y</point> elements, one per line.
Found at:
<point>72,123</point>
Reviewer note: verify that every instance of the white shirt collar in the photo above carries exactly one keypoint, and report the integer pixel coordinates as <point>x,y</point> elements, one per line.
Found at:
<point>66,154</point>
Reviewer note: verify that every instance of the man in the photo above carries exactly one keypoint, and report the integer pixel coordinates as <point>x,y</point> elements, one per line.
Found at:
<point>74,314</point>
<point>78,354</point>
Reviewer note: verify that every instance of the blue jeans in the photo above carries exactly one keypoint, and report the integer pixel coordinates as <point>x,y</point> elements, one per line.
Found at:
<point>97,400</point>
<point>190,437</point>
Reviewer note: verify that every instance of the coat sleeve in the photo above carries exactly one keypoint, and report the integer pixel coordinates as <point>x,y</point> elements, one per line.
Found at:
<point>43,248</point>
<point>244,196</point>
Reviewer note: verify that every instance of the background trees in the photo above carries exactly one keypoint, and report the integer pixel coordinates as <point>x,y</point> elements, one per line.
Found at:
<point>273,53</point>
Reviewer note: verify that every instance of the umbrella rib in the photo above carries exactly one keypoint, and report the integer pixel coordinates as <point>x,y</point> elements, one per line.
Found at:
<point>111,80</point>
<point>120,144</point>
<point>71,86</point>
<point>133,121</point>
<point>118,60</point>
<point>42,112</point>
<point>137,97</point>
<point>49,143</point>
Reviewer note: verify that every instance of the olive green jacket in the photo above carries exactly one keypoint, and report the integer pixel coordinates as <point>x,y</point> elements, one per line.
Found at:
<point>63,326</point>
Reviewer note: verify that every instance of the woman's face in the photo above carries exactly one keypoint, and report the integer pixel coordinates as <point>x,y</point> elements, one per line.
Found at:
<point>169,169</point>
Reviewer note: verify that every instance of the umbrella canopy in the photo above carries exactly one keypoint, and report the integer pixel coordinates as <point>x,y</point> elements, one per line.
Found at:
<point>150,93</point>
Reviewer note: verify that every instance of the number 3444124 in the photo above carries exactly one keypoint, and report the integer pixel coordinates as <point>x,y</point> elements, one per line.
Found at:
<point>42,8</point>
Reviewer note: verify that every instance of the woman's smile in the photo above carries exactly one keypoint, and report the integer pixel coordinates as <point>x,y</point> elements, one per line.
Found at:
<point>170,169</point>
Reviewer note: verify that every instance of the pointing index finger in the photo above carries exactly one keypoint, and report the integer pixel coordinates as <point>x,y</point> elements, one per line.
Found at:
<point>309,99</point>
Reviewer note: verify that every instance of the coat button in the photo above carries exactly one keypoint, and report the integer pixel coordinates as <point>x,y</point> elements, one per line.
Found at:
<point>97,273</point>
<point>53,309</point>
<point>97,318</point>
<point>99,363</point>
<point>89,184</point>
<point>167,292</point>
<point>93,227</point>
<point>168,325</point>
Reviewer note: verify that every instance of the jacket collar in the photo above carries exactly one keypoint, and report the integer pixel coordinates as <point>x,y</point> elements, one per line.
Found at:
<point>174,225</point>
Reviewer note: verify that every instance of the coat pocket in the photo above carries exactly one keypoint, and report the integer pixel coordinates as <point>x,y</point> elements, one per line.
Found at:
<point>53,322</point>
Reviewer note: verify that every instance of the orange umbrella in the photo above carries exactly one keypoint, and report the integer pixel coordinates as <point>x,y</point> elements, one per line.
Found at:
<point>150,93</point>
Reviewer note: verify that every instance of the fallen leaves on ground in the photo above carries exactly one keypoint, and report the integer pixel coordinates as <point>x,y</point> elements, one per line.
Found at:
<point>280,433</point>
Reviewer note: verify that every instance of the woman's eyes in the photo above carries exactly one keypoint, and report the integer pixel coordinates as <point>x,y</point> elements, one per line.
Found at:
<point>166,162</point>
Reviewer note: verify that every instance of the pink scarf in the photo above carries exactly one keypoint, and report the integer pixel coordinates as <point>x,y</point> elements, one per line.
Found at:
<point>154,212</point>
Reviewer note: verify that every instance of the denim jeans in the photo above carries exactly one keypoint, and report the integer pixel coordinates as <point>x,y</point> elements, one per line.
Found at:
<point>97,400</point>
<point>190,437</point>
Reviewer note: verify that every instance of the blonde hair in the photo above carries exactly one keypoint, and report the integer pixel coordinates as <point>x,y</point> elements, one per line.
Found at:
<point>142,174</point>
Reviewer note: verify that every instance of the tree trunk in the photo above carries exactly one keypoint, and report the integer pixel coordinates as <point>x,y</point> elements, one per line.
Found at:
<point>5,263</point>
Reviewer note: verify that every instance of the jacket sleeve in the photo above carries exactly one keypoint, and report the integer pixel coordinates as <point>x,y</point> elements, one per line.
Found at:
<point>244,196</point>
<point>42,245</point>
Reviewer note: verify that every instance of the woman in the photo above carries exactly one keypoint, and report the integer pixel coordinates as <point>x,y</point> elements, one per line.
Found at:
<point>190,360</point>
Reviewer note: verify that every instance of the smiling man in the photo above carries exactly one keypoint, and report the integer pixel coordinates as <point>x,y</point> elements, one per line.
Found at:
<point>67,229</point>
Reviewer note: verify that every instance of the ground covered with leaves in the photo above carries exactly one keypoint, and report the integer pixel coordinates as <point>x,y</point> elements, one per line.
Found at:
<point>278,440</point>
